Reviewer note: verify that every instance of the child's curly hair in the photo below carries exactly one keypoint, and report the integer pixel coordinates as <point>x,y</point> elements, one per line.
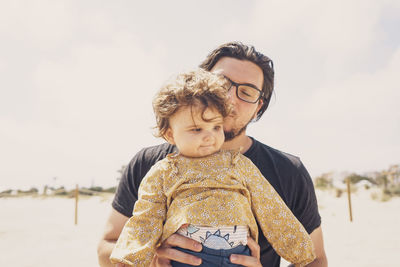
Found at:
<point>198,88</point>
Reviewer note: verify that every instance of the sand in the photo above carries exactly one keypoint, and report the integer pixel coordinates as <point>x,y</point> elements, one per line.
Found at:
<point>40,232</point>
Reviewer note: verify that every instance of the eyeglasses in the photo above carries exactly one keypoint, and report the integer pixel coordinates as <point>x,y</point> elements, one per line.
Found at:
<point>246,92</point>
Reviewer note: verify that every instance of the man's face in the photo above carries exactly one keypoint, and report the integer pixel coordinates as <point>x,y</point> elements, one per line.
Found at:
<point>239,71</point>
<point>193,136</point>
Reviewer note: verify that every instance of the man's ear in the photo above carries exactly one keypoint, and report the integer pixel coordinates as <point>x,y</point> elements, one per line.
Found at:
<point>259,106</point>
<point>169,136</point>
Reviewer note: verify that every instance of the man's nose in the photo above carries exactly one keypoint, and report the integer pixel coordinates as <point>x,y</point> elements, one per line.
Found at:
<point>232,95</point>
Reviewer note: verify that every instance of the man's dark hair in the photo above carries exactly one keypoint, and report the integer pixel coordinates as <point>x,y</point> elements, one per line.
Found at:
<point>245,52</point>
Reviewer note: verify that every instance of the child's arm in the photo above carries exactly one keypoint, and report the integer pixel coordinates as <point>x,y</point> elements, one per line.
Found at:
<point>141,233</point>
<point>281,228</point>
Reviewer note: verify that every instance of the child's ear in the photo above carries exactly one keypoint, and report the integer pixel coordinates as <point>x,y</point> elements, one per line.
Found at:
<point>169,136</point>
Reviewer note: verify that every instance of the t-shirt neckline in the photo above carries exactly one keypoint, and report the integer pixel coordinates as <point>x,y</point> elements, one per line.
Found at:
<point>252,147</point>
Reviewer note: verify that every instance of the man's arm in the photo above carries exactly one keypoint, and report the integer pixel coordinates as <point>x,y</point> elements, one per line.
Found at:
<point>321,259</point>
<point>306,210</point>
<point>114,225</point>
<point>316,236</point>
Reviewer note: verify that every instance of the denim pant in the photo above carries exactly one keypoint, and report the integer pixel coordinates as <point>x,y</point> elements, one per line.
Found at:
<point>214,257</point>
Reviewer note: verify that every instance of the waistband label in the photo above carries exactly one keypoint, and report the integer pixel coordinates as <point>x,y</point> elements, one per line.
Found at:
<point>223,237</point>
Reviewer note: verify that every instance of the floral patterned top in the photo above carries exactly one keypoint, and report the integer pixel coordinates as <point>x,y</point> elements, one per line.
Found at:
<point>224,188</point>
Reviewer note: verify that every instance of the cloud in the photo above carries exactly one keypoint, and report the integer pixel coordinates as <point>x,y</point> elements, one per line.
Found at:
<point>351,124</point>
<point>37,22</point>
<point>90,105</point>
<point>78,79</point>
<point>336,86</point>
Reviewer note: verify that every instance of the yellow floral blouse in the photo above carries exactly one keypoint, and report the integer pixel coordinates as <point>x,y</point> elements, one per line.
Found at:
<point>225,188</point>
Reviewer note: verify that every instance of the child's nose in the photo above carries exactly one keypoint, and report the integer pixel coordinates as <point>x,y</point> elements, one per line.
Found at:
<point>208,136</point>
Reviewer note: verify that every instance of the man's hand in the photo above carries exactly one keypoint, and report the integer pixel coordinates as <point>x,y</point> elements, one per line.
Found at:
<point>249,261</point>
<point>165,253</point>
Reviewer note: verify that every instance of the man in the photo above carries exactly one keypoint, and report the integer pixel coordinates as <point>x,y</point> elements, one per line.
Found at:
<point>247,70</point>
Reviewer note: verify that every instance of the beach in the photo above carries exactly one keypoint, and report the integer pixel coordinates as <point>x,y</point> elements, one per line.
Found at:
<point>40,231</point>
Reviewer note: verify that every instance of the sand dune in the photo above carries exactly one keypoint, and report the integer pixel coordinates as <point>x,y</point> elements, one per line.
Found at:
<point>40,232</point>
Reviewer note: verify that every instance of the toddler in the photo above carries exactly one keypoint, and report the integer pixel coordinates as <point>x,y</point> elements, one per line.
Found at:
<point>211,195</point>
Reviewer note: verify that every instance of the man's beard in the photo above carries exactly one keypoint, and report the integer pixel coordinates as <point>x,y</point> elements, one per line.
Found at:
<point>229,135</point>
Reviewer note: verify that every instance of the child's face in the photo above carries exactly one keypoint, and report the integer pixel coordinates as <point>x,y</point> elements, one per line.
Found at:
<point>193,136</point>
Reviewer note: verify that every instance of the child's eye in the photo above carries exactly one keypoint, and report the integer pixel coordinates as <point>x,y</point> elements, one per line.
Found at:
<point>196,130</point>
<point>217,128</point>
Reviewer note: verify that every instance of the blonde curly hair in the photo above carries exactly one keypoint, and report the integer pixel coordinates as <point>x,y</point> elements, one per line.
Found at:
<point>197,88</point>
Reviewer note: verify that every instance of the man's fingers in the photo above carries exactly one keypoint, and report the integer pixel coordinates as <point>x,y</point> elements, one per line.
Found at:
<point>249,261</point>
<point>244,260</point>
<point>176,255</point>
<point>254,247</point>
<point>163,263</point>
<point>160,262</point>
<point>177,240</point>
<point>165,252</point>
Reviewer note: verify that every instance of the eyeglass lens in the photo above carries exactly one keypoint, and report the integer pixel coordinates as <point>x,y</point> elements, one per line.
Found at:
<point>247,93</point>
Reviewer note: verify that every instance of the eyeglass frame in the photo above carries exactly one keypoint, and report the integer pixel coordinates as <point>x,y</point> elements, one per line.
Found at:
<point>245,84</point>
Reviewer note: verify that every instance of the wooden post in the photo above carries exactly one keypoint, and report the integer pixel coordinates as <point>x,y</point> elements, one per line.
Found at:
<point>76,204</point>
<point>349,197</point>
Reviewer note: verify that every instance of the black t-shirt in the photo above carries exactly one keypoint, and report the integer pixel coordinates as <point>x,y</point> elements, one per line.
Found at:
<point>285,173</point>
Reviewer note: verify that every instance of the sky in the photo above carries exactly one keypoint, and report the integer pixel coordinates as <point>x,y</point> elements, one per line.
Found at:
<point>77,79</point>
